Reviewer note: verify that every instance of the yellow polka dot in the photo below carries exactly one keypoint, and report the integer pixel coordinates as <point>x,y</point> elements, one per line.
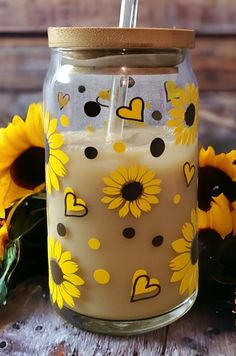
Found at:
<point>148,105</point>
<point>94,244</point>
<point>64,120</point>
<point>101,276</point>
<point>90,128</point>
<point>119,146</point>
<point>176,199</point>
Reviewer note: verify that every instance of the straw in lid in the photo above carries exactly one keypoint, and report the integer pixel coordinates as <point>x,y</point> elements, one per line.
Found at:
<point>113,37</point>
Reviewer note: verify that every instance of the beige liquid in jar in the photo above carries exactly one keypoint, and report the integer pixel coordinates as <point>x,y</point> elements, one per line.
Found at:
<point>124,259</point>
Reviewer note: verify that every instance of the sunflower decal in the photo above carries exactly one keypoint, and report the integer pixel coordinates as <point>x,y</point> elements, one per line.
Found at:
<point>63,280</point>
<point>184,115</point>
<point>131,190</point>
<point>22,169</point>
<point>185,265</point>
<point>55,157</point>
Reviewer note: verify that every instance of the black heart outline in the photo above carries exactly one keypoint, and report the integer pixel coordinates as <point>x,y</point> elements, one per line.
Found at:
<point>130,108</point>
<point>74,204</point>
<point>190,168</point>
<point>137,299</point>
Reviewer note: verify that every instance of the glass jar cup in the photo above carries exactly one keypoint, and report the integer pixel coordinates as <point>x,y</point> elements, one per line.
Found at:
<point>121,118</point>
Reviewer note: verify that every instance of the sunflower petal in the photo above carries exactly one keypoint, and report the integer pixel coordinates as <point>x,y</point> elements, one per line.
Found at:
<point>132,172</point>
<point>144,205</point>
<point>57,166</point>
<point>61,156</point>
<point>111,183</point>
<point>59,298</point>
<point>69,267</point>
<point>152,199</point>
<point>67,298</point>
<point>52,126</point>
<point>115,203</point>
<point>117,177</point>
<point>65,257</point>
<point>53,178</point>
<point>57,250</point>
<point>181,246</point>
<point>188,232</point>
<point>148,176</point>
<point>134,209</point>
<point>111,191</point>
<point>71,289</point>
<point>180,261</point>
<point>152,190</point>
<point>73,278</point>
<point>106,200</point>
<point>184,285</point>
<point>55,141</point>
<point>124,210</point>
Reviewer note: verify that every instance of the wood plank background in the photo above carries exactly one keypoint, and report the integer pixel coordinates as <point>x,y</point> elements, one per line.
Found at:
<point>24,56</point>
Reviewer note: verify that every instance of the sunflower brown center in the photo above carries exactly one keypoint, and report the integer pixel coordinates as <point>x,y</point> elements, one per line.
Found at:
<point>194,250</point>
<point>47,151</point>
<point>28,170</point>
<point>131,191</point>
<point>189,115</point>
<point>57,274</point>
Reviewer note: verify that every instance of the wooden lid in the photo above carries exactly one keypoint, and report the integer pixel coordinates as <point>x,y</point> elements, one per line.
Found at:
<point>114,37</point>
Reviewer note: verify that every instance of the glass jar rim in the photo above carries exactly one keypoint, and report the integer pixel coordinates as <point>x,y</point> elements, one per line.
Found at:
<point>115,37</point>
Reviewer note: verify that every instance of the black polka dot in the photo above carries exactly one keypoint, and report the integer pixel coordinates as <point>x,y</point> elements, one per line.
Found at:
<point>128,232</point>
<point>131,82</point>
<point>92,109</point>
<point>157,147</point>
<point>157,115</point>
<point>91,152</point>
<point>157,241</point>
<point>61,229</point>
<point>81,89</point>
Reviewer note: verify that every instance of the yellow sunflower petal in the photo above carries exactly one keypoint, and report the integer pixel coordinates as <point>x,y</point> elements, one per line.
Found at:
<point>152,182</point>
<point>61,156</point>
<point>110,182</point>
<point>54,294</point>
<point>123,171</point>
<point>57,250</point>
<point>48,181</point>
<point>181,245</point>
<point>71,289</point>
<point>117,177</point>
<point>57,166</point>
<point>59,298</point>
<point>188,232</point>
<point>53,178</point>
<point>152,189</point>
<point>177,276</point>
<point>111,191</point>
<point>152,199</point>
<point>180,261</point>
<point>69,267</point>
<point>67,298</point>
<point>142,170</point>
<point>132,172</point>
<point>134,209</point>
<point>144,205</point>
<point>73,278</point>
<point>52,126</point>
<point>55,141</point>
<point>50,246</point>
<point>124,210</point>
<point>184,285</point>
<point>115,203</point>
<point>106,200</point>
<point>66,256</point>
<point>148,176</point>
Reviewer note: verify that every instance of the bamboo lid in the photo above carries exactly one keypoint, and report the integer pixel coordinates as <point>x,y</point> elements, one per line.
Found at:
<point>114,37</point>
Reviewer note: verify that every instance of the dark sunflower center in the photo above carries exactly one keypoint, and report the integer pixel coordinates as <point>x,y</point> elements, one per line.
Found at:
<point>57,274</point>
<point>47,151</point>
<point>194,250</point>
<point>189,115</point>
<point>131,191</point>
<point>28,170</point>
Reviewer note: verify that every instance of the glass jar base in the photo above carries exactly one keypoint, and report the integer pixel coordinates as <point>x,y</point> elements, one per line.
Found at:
<point>129,327</point>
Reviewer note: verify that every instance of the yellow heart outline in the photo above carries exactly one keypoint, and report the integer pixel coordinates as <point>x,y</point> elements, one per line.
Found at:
<point>173,92</point>
<point>77,202</point>
<point>63,99</point>
<point>150,283</point>
<point>189,171</point>
<point>137,101</point>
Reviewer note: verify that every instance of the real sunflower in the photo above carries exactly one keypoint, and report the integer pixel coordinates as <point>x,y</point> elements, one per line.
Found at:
<point>185,265</point>
<point>131,190</point>
<point>3,238</point>
<point>22,157</point>
<point>217,191</point>
<point>184,115</point>
<point>55,157</point>
<point>63,278</point>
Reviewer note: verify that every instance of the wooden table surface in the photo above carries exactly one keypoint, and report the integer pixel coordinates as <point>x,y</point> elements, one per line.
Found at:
<point>29,326</point>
